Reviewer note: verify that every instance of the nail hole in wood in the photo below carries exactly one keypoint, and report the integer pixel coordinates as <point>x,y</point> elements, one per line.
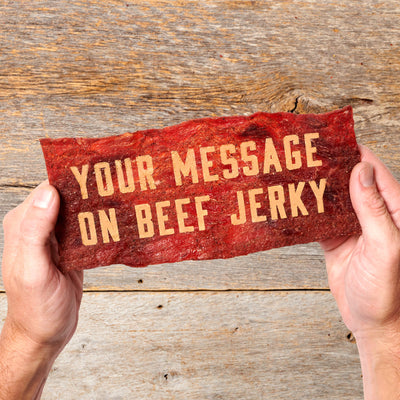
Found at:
<point>350,337</point>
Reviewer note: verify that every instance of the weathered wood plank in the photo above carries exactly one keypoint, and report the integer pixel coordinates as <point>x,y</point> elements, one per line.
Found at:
<point>248,345</point>
<point>98,68</point>
<point>22,161</point>
<point>297,267</point>
<point>73,68</point>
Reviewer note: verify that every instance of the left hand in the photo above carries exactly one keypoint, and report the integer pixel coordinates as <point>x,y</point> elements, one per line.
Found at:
<point>43,303</point>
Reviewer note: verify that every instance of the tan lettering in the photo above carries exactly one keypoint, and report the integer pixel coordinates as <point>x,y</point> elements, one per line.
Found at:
<point>182,215</point>
<point>145,171</point>
<point>184,168</point>
<point>225,160</point>
<point>252,159</point>
<point>276,200</point>
<point>109,226</point>
<point>207,164</point>
<point>201,213</point>
<point>271,157</point>
<point>240,217</point>
<point>311,150</point>
<point>104,188</point>
<point>295,199</point>
<point>144,220</point>
<point>81,177</point>
<point>86,220</point>
<point>319,193</point>
<point>127,186</point>
<point>293,158</point>
<point>255,205</point>
<point>163,218</point>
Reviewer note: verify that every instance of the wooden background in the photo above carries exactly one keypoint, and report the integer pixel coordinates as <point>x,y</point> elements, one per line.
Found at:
<point>263,326</point>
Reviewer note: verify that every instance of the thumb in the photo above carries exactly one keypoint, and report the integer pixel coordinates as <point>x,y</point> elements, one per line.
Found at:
<point>376,222</point>
<point>38,223</point>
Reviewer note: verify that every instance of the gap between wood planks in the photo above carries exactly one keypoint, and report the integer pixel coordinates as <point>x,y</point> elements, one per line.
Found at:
<point>2,291</point>
<point>202,290</point>
<point>19,186</point>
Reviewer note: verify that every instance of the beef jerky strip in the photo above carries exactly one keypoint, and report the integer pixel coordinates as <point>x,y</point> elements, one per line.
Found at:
<point>204,189</point>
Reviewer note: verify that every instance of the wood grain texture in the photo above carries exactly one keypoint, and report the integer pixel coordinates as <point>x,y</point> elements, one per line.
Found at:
<point>101,68</point>
<point>97,68</point>
<point>248,345</point>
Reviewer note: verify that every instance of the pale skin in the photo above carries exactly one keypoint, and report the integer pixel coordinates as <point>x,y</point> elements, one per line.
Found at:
<point>364,276</point>
<point>363,272</point>
<point>43,303</point>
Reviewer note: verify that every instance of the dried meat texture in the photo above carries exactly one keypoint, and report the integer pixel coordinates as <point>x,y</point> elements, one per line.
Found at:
<point>204,189</point>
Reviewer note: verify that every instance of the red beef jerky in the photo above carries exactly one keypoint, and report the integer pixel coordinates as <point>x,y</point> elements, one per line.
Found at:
<point>204,189</point>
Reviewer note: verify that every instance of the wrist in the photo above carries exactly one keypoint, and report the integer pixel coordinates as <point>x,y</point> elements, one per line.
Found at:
<point>23,339</point>
<point>379,352</point>
<point>34,338</point>
<point>24,364</point>
<point>379,342</point>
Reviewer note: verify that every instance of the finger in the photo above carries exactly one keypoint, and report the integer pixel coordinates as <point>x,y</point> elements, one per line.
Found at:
<point>37,224</point>
<point>14,217</point>
<point>11,226</point>
<point>387,185</point>
<point>333,243</point>
<point>376,222</point>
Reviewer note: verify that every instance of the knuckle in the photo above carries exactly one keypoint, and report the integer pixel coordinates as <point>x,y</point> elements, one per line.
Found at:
<point>30,229</point>
<point>7,220</point>
<point>376,204</point>
<point>10,227</point>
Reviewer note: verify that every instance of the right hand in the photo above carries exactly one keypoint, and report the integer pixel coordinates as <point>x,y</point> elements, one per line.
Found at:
<point>364,276</point>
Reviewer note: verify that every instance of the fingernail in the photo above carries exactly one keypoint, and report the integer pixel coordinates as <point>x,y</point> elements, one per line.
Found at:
<point>367,178</point>
<point>43,198</point>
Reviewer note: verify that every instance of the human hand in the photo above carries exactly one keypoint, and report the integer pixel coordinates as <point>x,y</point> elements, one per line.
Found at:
<point>43,303</point>
<point>364,275</point>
